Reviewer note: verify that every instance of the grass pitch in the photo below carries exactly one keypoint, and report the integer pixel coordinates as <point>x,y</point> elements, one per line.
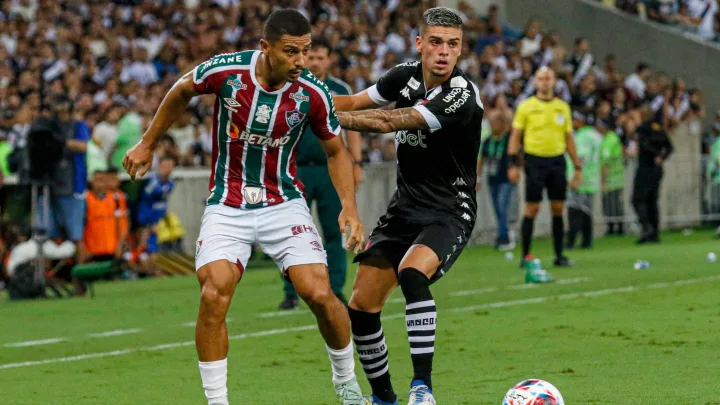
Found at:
<point>603,334</point>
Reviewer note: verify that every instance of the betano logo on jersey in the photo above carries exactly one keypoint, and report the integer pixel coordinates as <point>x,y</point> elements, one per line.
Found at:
<point>235,135</point>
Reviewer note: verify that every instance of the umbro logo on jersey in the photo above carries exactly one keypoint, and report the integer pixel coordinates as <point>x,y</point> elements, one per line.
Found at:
<point>237,84</point>
<point>405,92</point>
<point>231,104</point>
<point>459,182</point>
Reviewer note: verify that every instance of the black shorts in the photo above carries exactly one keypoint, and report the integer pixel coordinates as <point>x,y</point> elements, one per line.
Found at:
<point>545,173</point>
<point>393,236</point>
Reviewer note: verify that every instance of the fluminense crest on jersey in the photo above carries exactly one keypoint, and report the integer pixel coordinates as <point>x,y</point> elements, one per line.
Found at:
<point>294,117</point>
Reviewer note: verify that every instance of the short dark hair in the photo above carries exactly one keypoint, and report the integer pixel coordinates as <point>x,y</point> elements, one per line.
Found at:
<point>641,66</point>
<point>579,40</point>
<point>440,17</point>
<point>321,42</point>
<point>285,21</point>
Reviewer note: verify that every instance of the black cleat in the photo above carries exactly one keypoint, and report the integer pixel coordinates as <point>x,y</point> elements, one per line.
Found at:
<point>289,303</point>
<point>563,261</point>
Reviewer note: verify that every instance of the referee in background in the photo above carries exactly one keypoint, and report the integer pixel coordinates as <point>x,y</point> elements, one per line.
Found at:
<point>544,125</point>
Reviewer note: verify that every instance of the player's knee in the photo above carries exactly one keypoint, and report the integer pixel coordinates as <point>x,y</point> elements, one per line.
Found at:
<point>214,304</point>
<point>414,284</point>
<point>318,298</point>
<point>531,210</point>
<point>360,302</point>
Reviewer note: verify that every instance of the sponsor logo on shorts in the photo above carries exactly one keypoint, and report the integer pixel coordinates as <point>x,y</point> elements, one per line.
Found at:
<point>198,246</point>
<point>298,229</point>
<point>316,246</point>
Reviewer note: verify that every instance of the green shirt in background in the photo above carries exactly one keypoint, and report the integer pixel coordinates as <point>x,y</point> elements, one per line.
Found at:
<point>310,151</point>
<point>588,142</point>
<point>611,155</point>
<point>713,165</point>
<point>5,150</point>
<point>129,130</point>
<point>95,159</point>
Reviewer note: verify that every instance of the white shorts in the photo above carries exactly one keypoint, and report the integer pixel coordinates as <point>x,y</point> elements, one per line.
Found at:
<point>285,232</point>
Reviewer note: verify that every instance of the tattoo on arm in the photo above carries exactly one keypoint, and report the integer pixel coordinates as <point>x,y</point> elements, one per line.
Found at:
<point>382,121</point>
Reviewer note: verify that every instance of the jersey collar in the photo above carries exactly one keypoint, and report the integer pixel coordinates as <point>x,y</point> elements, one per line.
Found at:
<point>253,63</point>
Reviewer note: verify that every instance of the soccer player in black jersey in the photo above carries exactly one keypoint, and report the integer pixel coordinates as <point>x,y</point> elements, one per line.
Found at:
<point>436,121</point>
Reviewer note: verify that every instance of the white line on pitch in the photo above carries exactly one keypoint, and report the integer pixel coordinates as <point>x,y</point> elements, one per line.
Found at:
<point>500,304</point>
<point>572,280</point>
<point>522,286</point>
<point>118,332</point>
<point>35,342</point>
<point>473,292</point>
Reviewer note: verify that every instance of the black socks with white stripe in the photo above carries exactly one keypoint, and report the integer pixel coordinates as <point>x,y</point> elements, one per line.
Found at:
<point>420,320</point>
<point>373,353</point>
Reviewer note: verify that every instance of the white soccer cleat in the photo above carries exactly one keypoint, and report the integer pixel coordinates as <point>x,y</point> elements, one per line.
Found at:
<point>421,395</point>
<point>349,393</point>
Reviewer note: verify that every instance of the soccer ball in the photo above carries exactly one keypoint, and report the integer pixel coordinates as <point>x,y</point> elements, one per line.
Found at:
<point>533,392</point>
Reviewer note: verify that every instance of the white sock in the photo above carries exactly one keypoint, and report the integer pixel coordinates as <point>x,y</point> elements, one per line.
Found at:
<point>343,364</point>
<point>214,379</point>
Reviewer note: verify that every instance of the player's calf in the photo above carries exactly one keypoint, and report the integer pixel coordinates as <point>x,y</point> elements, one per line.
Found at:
<point>420,320</point>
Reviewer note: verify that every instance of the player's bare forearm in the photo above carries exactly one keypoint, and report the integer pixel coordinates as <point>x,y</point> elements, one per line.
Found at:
<point>359,101</point>
<point>571,150</point>
<point>172,107</point>
<point>340,167</point>
<point>354,144</point>
<point>382,121</point>
<point>514,144</point>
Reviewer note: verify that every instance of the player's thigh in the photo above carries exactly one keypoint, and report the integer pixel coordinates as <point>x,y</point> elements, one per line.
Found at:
<point>311,281</point>
<point>374,282</point>
<point>535,178</point>
<point>226,234</point>
<point>557,179</point>
<point>218,280</point>
<point>286,232</point>
<point>435,249</point>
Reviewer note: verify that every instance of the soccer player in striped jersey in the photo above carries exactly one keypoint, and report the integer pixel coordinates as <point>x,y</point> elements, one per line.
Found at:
<point>265,100</point>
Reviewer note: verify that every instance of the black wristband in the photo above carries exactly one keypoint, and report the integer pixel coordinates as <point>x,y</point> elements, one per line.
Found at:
<point>514,160</point>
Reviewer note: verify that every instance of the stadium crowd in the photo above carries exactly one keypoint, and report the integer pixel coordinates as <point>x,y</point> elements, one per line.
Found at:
<point>700,18</point>
<point>114,61</point>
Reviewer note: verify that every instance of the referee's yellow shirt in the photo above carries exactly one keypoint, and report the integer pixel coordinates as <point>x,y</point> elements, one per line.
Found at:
<point>544,124</point>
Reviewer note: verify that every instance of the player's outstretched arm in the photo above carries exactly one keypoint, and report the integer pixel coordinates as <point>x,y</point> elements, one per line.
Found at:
<point>138,159</point>
<point>383,121</point>
<point>341,171</point>
<point>355,102</point>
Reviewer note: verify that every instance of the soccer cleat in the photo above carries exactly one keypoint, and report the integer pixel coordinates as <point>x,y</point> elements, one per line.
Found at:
<point>373,400</point>
<point>563,261</point>
<point>289,302</point>
<point>349,393</point>
<point>420,394</point>
<point>526,261</point>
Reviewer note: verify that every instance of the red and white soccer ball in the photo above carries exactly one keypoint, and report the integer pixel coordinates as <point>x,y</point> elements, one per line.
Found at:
<point>533,392</point>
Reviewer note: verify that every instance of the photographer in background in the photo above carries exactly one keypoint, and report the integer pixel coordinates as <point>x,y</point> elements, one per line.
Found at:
<point>57,145</point>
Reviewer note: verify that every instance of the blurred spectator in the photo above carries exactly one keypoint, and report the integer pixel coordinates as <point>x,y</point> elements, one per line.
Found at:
<point>106,228</point>
<point>531,39</point>
<point>636,81</point>
<point>581,60</point>
<point>612,161</point>
<point>494,158</point>
<point>588,141</point>
<point>153,199</point>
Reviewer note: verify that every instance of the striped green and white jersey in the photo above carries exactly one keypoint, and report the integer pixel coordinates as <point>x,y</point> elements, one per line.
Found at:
<point>256,131</point>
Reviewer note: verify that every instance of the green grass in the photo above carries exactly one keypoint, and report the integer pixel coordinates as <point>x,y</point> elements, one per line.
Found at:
<point>658,343</point>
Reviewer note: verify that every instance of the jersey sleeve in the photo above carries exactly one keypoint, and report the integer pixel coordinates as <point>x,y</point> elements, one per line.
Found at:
<point>209,75</point>
<point>568,119</point>
<point>323,120</point>
<point>387,89</point>
<point>520,119</point>
<point>453,106</point>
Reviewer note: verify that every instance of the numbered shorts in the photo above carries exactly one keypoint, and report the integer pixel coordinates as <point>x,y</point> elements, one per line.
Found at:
<point>285,232</point>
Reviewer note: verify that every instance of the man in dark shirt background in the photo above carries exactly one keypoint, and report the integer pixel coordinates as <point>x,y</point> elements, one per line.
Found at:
<point>654,149</point>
